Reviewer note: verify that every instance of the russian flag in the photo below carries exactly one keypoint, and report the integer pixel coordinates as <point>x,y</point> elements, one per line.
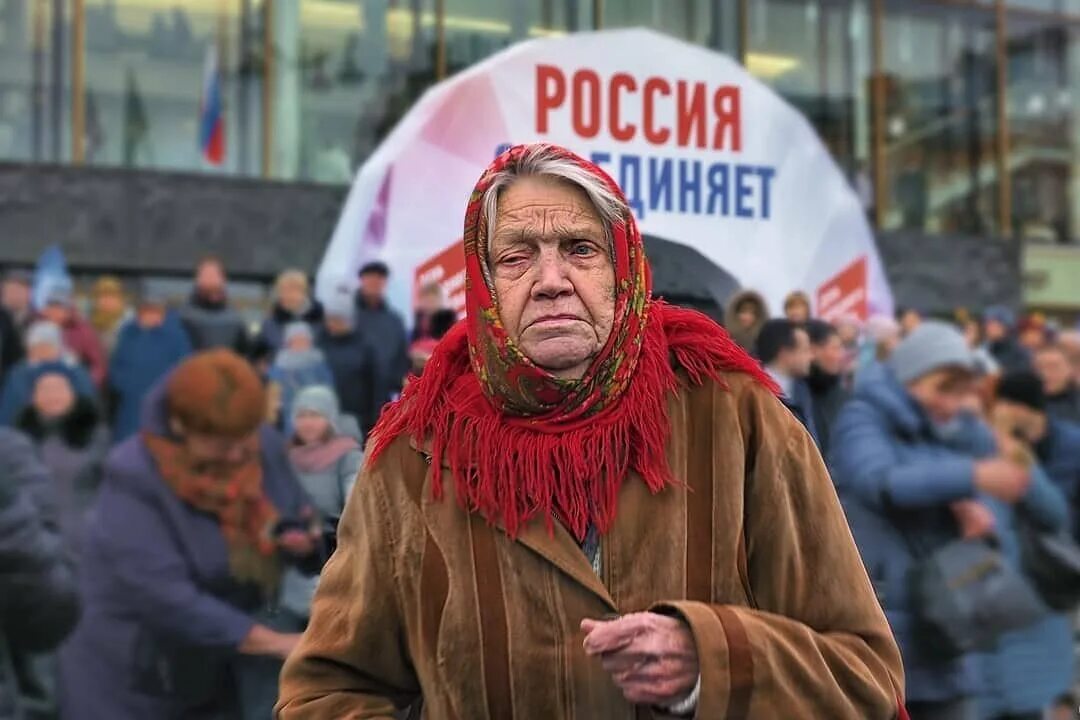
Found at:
<point>211,115</point>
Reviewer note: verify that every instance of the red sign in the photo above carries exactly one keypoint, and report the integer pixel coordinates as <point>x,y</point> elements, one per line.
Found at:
<point>448,270</point>
<point>845,294</point>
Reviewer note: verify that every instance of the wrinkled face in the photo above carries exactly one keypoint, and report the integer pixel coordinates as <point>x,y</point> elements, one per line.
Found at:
<point>212,453</point>
<point>292,295</point>
<point>15,296</point>
<point>830,355</point>
<point>747,315</point>
<point>553,274</point>
<point>311,427</point>
<point>299,343</point>
<point>150,316</point>
<point>996,331</point>
<point>942,393</point>
<point>797,312</point>
<point>210,280</point>
<point>53,396</point>
<point>56,313</point>
<point>1054,369</point>
<point>795,361</point>
<point>373,286</point>
<point>109,303</point>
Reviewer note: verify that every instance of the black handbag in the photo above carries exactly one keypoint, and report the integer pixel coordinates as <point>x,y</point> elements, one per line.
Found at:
<point>1052,561</point>
<point>966,594</point>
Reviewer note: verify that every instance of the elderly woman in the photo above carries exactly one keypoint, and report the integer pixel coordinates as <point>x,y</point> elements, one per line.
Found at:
<point>589,501</point>
<point>183,550</point>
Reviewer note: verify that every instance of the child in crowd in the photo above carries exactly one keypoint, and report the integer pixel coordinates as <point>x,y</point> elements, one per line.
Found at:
<point>299,364</point>
<point>326,458</point>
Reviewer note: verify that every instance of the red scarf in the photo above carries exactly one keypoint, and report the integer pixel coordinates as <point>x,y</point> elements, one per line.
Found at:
<point>520,441</point>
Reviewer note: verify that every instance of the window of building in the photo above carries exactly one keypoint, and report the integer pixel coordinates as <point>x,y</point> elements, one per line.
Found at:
<point>702,22</point>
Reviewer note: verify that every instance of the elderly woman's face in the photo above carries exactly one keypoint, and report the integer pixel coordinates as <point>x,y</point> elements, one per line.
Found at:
<point>553,274</point>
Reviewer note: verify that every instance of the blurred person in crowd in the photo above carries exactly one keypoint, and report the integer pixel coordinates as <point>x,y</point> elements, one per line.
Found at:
<point>911,467</point>
<point>208,318</point>
<point>384,330</point>
<point>909,318</point>
<point>108,311</point>
<point>1059,383</point>
<point>297,365</point>
<point>999,331</point>
<point>1069,341</point>
<point>1032,666</point>
<point>79,336</point>
<point>11,344</point>
<point>881,335</point>
<point>37,580</point>
<point>44,347</point>
<point>1034,332</point>
<point>184,548</point>
<point>973,336</point>
<point>744,315</point>
<point>148,347</point>
<point>797,307</point>
<point>850,329</point>
<point>428,302</point>
<point>351,361</point>
<point>71,440</point>
<point>784,350</point>
<point>531,457</point>
<point>16,296</point>
<point>1065,707</point>
<point>420,350</point>
<point>828,392</point>
<point>292,303</point>
<point>326,457</point>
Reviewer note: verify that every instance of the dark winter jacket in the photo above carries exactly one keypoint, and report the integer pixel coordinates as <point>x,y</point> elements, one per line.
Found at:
<point>747,338</point>
<point>19,386</point>
<point>142,357</point>
<point>828,395</point>
<point>384,331</point>
<point>214,325</point>
<point>897,475</point>
<point>73,450</point>
<point>163,615</point>
<point>38,598</point>
<point>1059,454</point>
<point>11,344</point>
<point>1010,355</point>
<point>351,361</point>
<point>271,333</point>
<point>1065,406</point>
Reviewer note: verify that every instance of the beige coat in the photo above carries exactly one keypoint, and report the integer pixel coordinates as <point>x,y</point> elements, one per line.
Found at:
<point>422,599</point>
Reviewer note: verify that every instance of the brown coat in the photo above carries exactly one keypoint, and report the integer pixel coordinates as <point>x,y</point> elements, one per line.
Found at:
<point>422,599</point>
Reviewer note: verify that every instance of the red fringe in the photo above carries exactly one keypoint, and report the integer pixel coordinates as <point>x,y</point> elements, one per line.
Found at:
<point>510,469</point>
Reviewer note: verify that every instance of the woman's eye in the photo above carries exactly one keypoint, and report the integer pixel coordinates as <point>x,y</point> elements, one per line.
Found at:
<point>582,249</point>
<point>511,260</point>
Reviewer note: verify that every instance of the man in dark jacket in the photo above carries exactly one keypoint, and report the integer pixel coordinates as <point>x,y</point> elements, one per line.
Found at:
<point>209,320</point>
<point>383,329</point>
<point>784,349</point>
<point>999,327</point>
<point>349,356</point>
<point>826,378</point>
<point>1062,394</point>
<point>38,597</point>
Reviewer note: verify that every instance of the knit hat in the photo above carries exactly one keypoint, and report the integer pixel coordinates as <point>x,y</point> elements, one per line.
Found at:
<point>318,399</point>
<point>107,285</point>
<point>931,346</point>
<point>44,332</point>
<point>375,267</point>
<point>340,305</point>
<point>61,293</point>
<point>1001,314</point>
<point>296,330</point>
<point>1023,388</point>
<point>218,393</point>
<point>151,294</point>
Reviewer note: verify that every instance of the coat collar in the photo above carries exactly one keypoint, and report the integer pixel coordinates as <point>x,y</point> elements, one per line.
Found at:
<point>557,545</point>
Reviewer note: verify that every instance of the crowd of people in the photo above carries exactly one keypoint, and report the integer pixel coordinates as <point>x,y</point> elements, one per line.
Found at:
<point>143,590</point>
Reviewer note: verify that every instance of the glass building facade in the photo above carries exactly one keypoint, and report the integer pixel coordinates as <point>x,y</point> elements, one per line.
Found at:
<point>956,116</point>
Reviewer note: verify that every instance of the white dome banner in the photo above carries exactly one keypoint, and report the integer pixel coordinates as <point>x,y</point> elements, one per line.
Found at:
<point>708,156</point>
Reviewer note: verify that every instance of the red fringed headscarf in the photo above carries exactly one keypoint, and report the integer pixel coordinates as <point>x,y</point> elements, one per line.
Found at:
<point>520,441</point>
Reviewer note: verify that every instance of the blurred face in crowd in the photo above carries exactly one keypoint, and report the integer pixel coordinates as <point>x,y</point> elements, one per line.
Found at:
<point>337,325</point>
<point>299,343</point>
<point>150,316</point>
<point>995,331</point>
<point>211,453</point>
<point>109,303</point>
<point>56,313</point>
<point>210,281</point>
<point>747,314</point>
<point>43,352</point>
<point>554,279</point>
<point>373,287</point>
<point>53,396</point>
<point>797,312</point>
<point>15,297</point>
<point>849,333</point>
<point>972,333</point>
<point>830,355</point>
<point>311,427</point>
<point>795,361</point>
<point>292,294</point>
<point>1054,369</point>
<point>1021,420</point>
<point>942,393</point>
<point>430,299</point>
<point>910,320</point>
<point>1033,338</point>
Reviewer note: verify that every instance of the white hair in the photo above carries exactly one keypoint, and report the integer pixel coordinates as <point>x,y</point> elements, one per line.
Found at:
<point>546,161</point>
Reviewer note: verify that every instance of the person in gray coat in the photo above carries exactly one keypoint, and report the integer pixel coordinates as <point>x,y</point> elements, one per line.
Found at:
<point>326,458</point>
<point>38,597</point>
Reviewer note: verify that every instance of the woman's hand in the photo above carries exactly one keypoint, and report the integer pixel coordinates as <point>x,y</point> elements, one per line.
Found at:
<point>298,543</point>
<point>261,640</point>
<point>975,519</point>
